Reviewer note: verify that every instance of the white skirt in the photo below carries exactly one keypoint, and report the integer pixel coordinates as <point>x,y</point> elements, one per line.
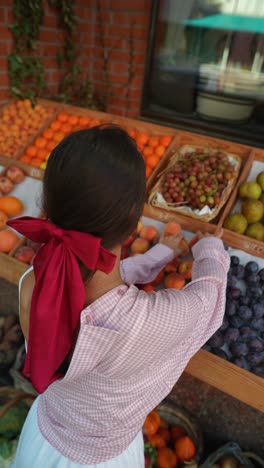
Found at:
<point>34,451</point>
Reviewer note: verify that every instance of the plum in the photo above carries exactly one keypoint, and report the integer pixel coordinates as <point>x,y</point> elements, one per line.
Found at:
<point>254,292</point>
<point>256,358</point>
<point>231,335</point>
<point>207,347</point>
<point>231,281</point>
<point>234,260</point>
<point>256,344</point>
<point>234,293</point>
<point>253,280</point>
<point>231,308</point>
<point>261,299</point>
<point>247,332</point>
<point>258,370</point>
<point>217,340</point>
<point>224,325</point>
<point>244,312</point>
<point>240,362</point>
<point>239,349</point>
<point>236,321</point>
<point>261,274</point>
<point>244,300</point>
<point>258,310</point>
<point>221,353</point>
<point>257,324</point>
<point>251,267</point>
<point>240,272</point>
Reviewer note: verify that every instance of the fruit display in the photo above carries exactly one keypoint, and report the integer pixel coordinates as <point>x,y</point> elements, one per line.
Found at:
<point>9,177</point>
<point>19,121</point>
<point>240,339</point>
<point>166,445</point>
<point>197,181</point>
<point>176,273</point>
<point>248,215</point>
<point>151,146</point>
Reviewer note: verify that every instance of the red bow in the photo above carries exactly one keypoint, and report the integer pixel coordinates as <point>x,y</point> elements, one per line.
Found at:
<point>59,295</point>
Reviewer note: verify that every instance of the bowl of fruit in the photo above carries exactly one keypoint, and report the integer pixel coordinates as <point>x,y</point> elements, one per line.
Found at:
<point>197,182</point>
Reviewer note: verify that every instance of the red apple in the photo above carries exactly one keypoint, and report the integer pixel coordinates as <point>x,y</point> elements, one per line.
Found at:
<point>129,241</point>
<point>25,254</point>
<point>6,186</point>
<point>193,241</point>
<point>15,174</point>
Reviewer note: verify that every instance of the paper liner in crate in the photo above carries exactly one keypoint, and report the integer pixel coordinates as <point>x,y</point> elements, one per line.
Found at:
<point>206,214</point>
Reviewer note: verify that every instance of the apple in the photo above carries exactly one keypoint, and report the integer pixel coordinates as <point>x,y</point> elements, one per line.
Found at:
<point>6,186</point>
<point>129,241</point>
<point>25,254</point>
<point>185,269</point>
<point>15,174</point>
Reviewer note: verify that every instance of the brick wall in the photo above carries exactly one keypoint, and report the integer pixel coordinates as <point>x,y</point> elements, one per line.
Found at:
<point>112,43</point>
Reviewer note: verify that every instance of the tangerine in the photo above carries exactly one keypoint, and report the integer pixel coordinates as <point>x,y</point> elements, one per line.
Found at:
<point>184,448</point>
<point>166,458</point>
<point>160,150</point>
<point>40,142</point>
<point>8,240</point>
<point>73,120</point>
<point>142,138</point>
<point>165,140</point>
<point>84,121</point>
<point>31,151</point>
<point>48,134</point>
<point>152,161</point>
<point>56,125</point>
<point>148,171</point>
<point>152,423</point>
<point>36,162</point>
<point>63,117</point>
<point>58,136</point>
<point>154,141</point>
<point>10,205</point>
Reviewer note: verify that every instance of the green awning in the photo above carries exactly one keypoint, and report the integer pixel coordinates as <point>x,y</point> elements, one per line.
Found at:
<point>253,24</point>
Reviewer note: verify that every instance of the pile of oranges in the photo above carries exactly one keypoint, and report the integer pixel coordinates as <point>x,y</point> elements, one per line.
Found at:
<point>38,152</point>
<point>152,147</point>
<point>166,445</point>
<point>18,122</point>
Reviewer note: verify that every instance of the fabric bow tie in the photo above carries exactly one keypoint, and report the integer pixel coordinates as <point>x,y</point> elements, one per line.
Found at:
<point>59,294</point>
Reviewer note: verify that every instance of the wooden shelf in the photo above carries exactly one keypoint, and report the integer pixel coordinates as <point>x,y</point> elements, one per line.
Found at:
<point>228,378</point>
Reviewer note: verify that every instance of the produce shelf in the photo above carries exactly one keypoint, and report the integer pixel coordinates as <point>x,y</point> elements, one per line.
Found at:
<point>228,378</point>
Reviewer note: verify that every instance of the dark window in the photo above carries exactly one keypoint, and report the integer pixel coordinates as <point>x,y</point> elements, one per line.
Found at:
<point>205,68</point>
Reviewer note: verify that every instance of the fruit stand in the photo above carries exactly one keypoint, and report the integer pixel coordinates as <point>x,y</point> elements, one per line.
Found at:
<point>209,172</point>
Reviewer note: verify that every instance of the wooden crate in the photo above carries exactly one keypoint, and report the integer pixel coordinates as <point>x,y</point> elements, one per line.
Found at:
<point>12,269</point>
<point>44,103</point>
<point>241,241</point>
<point>196,140</point>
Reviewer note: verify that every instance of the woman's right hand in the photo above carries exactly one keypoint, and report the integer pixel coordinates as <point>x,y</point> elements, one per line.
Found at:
<point>173,241</point>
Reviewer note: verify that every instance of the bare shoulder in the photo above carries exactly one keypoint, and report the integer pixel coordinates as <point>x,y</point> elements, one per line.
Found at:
<point>26,291</point>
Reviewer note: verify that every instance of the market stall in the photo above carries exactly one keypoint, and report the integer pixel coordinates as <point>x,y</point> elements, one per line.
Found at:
<point>193,180</point>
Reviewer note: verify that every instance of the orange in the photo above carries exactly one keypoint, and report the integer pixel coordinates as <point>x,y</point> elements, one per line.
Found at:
<point>48,134</point>
<point>84,121</point>
<point>31,151</point>
<point>184,448</point>
<point>11,206</point>
<point>152,423</point>
<point>56,125</point>
<point>66,128</point>
<point>51,145</point>
<point>58,136</point>
<point>36,162</point>
<point>165,140</point>
<point>147,151</point>
<point>73,120</point>
<point>152,161</point>
<point>41,153</point>
<point>160,150</point>
<point>156,440</point>
<point>166,458</point>
<point>40,142</point>
<point>132,133</point>
<point>174,280</point>
<point>63,117</point>
<point>142,138</point>
<point>3,220</point>
<point>148,171</point>
<point>153,141</point>
<point>8,240</point>
<point>25,158</point>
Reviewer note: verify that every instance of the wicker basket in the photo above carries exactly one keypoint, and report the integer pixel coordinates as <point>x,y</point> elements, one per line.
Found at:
<point>235,451</point>
<point>178,207</point>
<point>177,416</point>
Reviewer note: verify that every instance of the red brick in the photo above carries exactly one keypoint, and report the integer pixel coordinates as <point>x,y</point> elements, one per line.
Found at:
<point>119,56</point>
<point>104,16</point>
<point>3,63</point>
<point>119,68</point>
<point>118,31</point>
<point>49,62</point>
<point>5,33</point>
<point>4,92</point>
<point>50,21</point>
<point>48,49</point>
<point>135,93</point>
<point>5,47</point>
<point>2,15</point>
<point>139,58</point>
<point>137,81</point>
<point>51,36</point>
<point>4,79</point>
<point>134,5</point>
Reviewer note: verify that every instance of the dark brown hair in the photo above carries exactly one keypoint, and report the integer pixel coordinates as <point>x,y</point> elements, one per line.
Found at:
<point>95,183</point>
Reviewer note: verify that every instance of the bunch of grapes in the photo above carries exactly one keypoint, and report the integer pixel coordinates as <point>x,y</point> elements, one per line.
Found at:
<point>198,179</point>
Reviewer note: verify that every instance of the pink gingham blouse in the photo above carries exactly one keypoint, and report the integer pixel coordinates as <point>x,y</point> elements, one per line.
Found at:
<point>131,349</point>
